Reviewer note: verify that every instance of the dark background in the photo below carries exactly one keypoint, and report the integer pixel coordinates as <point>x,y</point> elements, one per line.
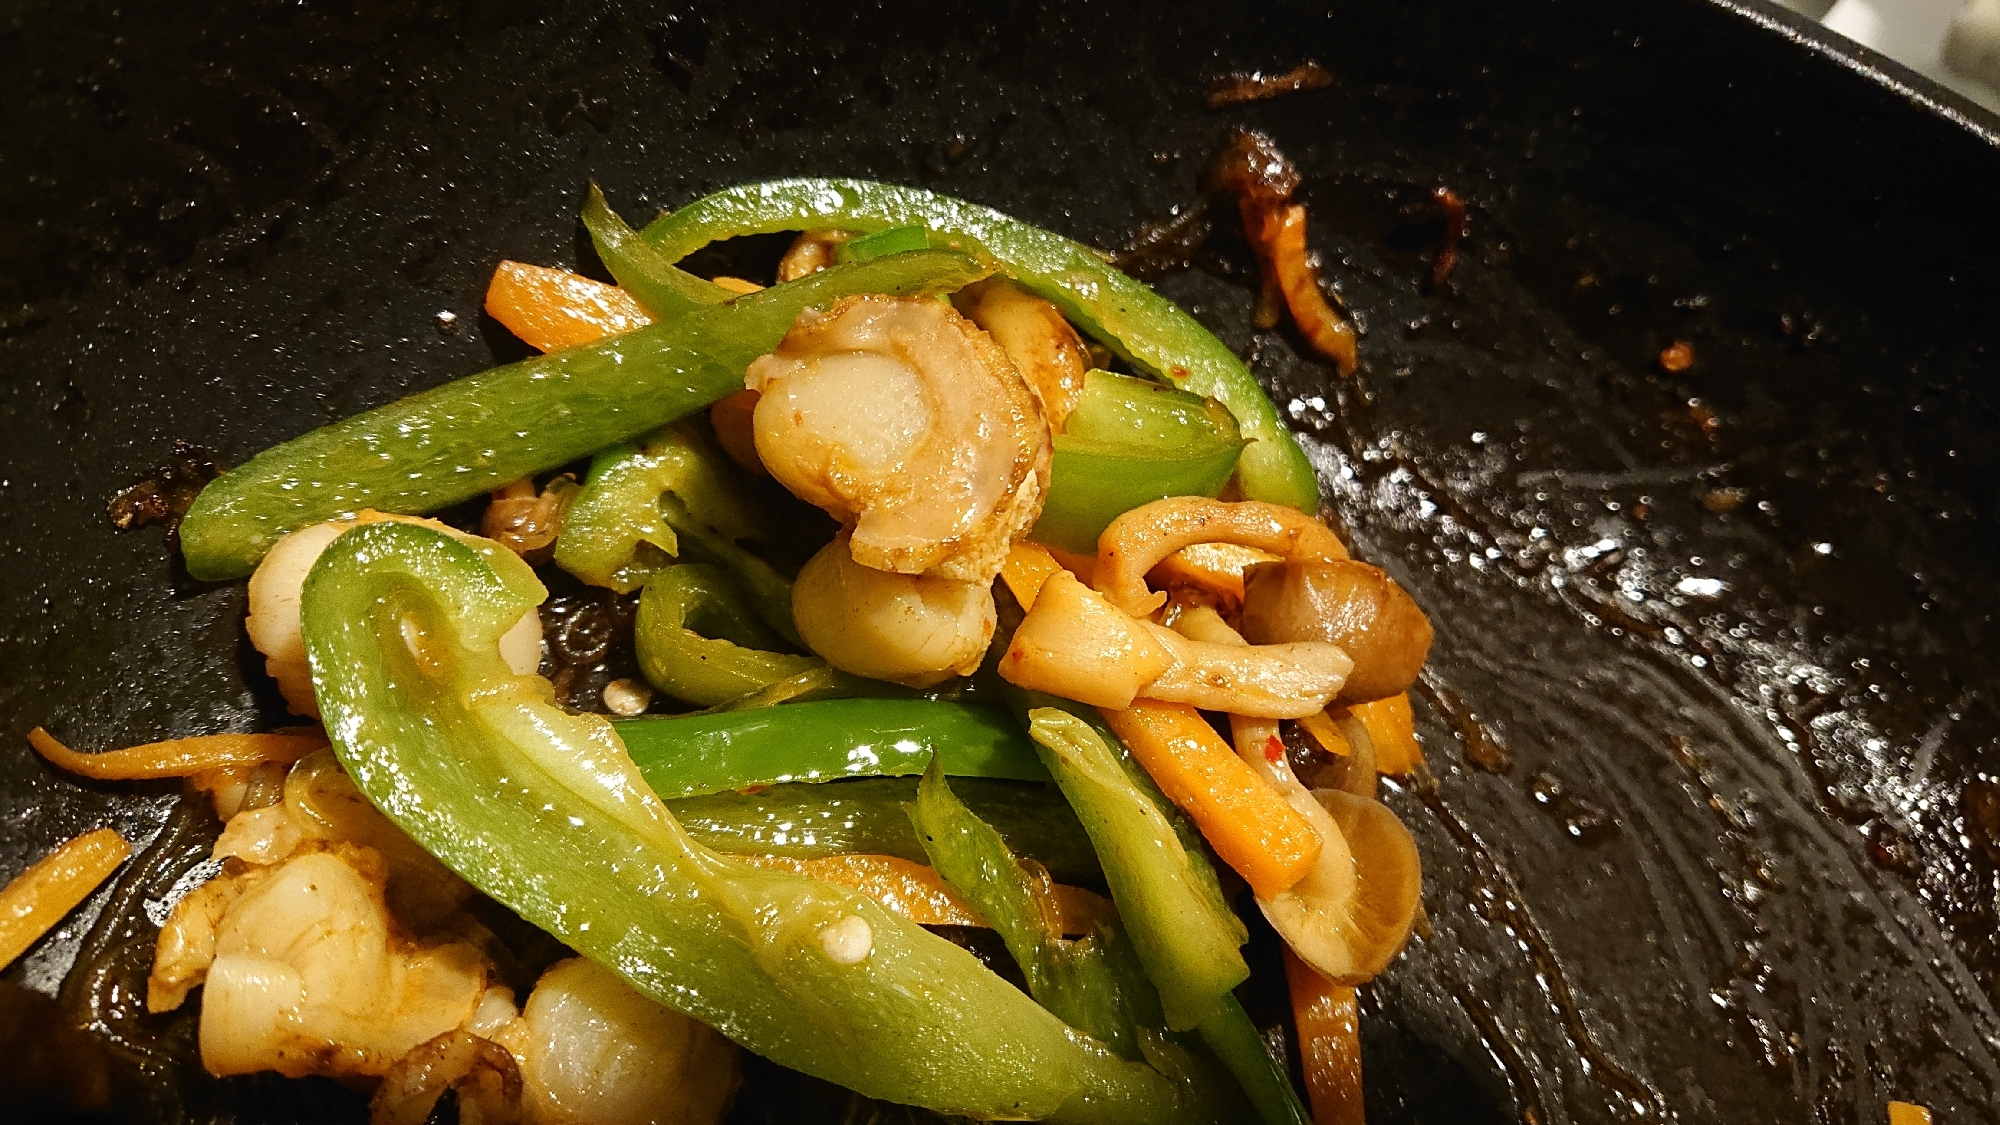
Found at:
<point>1723,639</point>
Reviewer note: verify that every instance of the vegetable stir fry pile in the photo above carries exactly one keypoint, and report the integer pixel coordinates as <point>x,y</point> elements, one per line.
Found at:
<point>942,625</point>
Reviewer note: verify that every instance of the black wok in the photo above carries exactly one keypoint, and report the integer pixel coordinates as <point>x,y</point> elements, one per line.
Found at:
<point>1713,706</point>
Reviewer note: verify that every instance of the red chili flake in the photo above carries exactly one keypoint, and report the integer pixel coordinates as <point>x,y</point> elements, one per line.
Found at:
<point>754,789</point>
<point>1179,373</point>
<point>1274,750</point>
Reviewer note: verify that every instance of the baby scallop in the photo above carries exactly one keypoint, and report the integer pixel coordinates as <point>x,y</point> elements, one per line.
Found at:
<point>911,426</point>
<point>911,629</point>
<point>594,1052</point>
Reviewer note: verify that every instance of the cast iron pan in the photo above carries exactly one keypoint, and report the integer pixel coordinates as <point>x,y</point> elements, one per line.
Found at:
<point>1712,708</point>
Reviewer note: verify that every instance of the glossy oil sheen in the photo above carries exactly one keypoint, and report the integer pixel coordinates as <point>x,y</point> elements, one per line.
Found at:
<point>1709,840</point>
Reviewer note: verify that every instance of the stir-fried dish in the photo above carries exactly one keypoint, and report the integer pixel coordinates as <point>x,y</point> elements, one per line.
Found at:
<point>970,588</point>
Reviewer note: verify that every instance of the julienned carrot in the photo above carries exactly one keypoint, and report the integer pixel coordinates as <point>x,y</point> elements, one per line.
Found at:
<point>1027,566</point>
<point>39,897</point>
<point>1328,1018</point>
<point>179,757</point>
<point>919,894</point>
<point>1248,823</point>
<point>1393,730</point>
<point>552,309</point>
<point>1908,1113</point>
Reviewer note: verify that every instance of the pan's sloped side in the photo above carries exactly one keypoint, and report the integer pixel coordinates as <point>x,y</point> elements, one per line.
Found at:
<point>1729,628</point>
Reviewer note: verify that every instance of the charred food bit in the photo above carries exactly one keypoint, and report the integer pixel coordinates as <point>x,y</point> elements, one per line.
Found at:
<point>1255,86</point>
<point>1252,169</point>
<point>164,496</point>
<point>1454,233</point>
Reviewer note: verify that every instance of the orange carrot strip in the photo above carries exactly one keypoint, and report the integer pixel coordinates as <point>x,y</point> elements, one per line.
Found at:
<point>918,893</point>
<point>1328,1018</point>
<point>1249,823</point>
<point>1320,323</point>
<point>42,895</point>
<point>1028,565</point>
<point>1393,730</point>
<point>178,757</point>
<point>552,309</point>
<point>1908,1113</point>
<point>1321,726</point>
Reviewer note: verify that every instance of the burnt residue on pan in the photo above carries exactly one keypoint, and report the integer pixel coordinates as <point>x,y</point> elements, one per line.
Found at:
<point>1710,815</point>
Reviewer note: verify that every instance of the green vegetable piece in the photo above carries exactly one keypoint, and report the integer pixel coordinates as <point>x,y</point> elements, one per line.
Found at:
<point>866,815</point>
<point>543,810</point>
<point>698,642</point>
<point>454,442</point>
<point>1183,931</point>
<point>895,240</point>
<point>1145,328</point>
<point>664,289</point>
<point>769,593</point>
<point>619,506</point>
<point>1263,1078</point>
<point>1092,983</point>
<point>687,755</point>
<point>1130,442</point>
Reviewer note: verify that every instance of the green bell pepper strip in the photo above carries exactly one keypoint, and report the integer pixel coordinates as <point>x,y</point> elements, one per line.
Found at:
<point>1093,983</point>
<point>688,755</point>
<point>1264,1079</point>
<point>1145,328</point>
<point>470,436</point>
<point>664,289</point>
<point>699,643</point>
<point>618,508</point>
<point>543,810</point>
<point>866,815</point>
<point>895,240</point>
<point>1129,442</point>
<point>768,593</point>
<point>1186,936</point>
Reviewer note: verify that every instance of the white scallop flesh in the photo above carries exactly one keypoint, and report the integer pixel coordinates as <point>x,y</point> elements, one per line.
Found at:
<point>594,1052</point>
<point>908,423</point>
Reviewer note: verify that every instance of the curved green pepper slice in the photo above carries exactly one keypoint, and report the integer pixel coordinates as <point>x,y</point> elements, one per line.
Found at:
<point>687,755</point>
<point>544,811</point>
<point>470,436</point>
<point>699,643</point>
<point>664,289</point>
<point>618,508</point>
<point>1145,328</point>
<point>1129,442</point>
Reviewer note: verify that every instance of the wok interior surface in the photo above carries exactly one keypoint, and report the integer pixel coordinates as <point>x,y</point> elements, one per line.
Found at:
<point>1713,822</point>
